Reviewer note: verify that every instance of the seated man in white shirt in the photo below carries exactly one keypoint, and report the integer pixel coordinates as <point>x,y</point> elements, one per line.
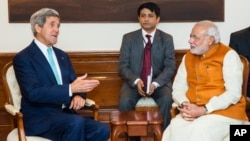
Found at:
<point>207,88</point>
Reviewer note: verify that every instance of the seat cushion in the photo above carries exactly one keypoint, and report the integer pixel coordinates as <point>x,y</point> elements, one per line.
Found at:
<point>13,136</point>
<point>146,102</point>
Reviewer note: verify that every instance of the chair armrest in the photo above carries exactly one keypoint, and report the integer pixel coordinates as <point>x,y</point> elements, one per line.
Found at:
<point>11,109</point>
<point>174,111</point>
<point>89,102</point>
<point>18,116</point>
<point>90,105</point>
<point>248,105</point>
<point>174,105</point>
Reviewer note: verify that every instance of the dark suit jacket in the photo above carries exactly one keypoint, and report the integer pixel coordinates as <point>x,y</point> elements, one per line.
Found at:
<point>163,57</point>
<point>240,42</point>
<point>41,96</point>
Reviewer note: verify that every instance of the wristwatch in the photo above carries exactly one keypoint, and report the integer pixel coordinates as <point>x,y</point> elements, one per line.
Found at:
<point>206,109</point>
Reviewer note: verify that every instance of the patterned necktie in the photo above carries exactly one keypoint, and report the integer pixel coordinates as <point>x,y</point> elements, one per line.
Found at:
<point>146,67</point>
<point>53,66</point>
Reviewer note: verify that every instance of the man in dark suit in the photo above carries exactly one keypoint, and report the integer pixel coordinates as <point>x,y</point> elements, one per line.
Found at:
<point>49,102</point>
<point>240,42</point>
<point>162,63</point>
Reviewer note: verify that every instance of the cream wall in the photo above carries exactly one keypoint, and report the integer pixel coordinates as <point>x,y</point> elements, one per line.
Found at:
<point>108,36</point>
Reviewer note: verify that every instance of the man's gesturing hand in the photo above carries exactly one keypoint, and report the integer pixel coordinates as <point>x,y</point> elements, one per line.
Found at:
<point>81,84</point>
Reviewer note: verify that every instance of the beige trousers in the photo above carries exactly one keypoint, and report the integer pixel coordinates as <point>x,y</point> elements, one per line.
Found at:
<point>209,127</point>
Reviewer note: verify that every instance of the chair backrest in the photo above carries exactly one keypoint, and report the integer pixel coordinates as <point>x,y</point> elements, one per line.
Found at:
<point>13,96</point>
<point>245,75</point>
<point>10,86</point>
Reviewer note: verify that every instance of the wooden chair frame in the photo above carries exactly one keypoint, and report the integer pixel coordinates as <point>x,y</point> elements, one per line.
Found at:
<point>14,111</point>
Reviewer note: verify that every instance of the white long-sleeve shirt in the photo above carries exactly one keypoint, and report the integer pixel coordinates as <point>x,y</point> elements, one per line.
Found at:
<point>232,74</point>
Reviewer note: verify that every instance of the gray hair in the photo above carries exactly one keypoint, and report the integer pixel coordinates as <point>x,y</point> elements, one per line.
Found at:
<point>212,29</point>
<point>39,17</point>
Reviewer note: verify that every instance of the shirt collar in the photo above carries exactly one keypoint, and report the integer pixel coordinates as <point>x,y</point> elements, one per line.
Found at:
<point>42,47</point>
<point>144,33</point>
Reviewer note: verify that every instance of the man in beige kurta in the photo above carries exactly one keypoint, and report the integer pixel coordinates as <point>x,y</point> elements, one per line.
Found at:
<point>207,89</point>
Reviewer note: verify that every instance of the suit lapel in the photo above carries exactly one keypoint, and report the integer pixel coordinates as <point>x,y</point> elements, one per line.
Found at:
<point>155,47</point>
<point>61,62</point>
<point>140,41</point>
<point>248,37</point>
<point>156,39</point>
<point>41,60</point>
<point>245,42</point>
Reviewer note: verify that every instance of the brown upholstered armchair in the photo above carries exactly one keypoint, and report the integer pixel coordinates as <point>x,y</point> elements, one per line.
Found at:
<point>12,106</point>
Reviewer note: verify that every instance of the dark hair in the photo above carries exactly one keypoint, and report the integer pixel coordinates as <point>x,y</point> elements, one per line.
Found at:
<point>151,6</point>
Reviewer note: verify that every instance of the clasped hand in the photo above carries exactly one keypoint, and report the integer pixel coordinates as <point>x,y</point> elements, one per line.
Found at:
<point>191,111</point>
<point>140,85</point>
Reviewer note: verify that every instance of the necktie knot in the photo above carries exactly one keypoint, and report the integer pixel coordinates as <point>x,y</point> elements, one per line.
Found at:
<point>148,36</point>
<point>49,50</point>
